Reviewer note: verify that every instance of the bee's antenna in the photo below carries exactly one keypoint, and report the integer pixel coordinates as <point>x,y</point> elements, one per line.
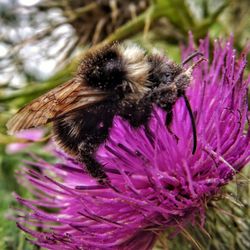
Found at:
<point>191,68</point>
<point>192,121</point>
<point>193,55</point>
<point>189,72</point>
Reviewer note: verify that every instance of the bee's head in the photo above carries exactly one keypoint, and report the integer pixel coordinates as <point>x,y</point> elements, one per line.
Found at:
<point>162,71</point>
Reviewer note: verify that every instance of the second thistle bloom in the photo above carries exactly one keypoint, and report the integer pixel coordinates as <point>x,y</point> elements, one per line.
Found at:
<point>155,186</point>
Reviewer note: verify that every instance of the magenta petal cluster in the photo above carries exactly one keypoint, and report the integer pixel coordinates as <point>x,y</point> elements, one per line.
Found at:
<point>29,135</point>
<point>153,186</point>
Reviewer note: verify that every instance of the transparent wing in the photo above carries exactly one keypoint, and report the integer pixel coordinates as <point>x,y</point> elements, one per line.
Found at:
<point>55,103</point>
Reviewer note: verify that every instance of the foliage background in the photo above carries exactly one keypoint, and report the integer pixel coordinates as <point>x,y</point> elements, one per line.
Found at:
<point>41,43</point>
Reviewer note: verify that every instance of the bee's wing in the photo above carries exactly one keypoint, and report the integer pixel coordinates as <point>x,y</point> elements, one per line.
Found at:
<point>57,102</point>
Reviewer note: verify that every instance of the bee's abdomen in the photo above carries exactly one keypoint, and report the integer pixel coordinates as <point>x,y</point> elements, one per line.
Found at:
<point>66,135</point>
<point>90,126</point>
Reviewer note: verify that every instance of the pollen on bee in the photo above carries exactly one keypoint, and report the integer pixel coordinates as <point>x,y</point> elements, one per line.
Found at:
<point>100,125</point>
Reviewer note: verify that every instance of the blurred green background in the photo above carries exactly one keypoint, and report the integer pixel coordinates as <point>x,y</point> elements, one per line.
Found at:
<point>40,45</point>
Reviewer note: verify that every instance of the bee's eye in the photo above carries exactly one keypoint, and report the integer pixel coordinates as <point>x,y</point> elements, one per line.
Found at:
<point>167,78</point>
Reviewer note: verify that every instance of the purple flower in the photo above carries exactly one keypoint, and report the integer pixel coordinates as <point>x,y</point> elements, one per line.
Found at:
<point>30,135</point>
<point>153,186</point>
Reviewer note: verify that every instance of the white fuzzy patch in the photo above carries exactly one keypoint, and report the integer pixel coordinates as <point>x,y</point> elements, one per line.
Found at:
<point>137,67</point>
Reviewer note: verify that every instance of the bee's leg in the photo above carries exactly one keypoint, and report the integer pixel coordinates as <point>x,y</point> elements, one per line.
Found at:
<point>169,118</point>
<point>149,133</point>
<point>138,114</point>
<point>95,169</point>
<point>144,120</point>
<point>168,122</point>
<point>165,97</point>
<point>86,156</point>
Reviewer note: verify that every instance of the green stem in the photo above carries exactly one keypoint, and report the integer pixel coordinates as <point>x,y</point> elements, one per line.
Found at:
<point>177,13</point>
<point>203,27</point>
<point>133,26</point>
<point>76,13</point>
<point>161,8</point>
<point>38,89</point>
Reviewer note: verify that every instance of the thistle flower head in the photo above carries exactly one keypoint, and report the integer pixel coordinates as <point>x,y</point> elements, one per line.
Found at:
<point>153,186</point>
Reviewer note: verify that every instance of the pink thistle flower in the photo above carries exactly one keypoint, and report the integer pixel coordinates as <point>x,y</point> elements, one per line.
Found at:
<point>30,135</point>
<point>154,186</point>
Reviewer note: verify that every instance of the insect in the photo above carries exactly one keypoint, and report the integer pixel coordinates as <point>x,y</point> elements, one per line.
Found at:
<point>112,80</point>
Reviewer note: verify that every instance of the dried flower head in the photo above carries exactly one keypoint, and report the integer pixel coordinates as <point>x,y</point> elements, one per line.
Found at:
<point>95,20</point>
<point>153,186</point>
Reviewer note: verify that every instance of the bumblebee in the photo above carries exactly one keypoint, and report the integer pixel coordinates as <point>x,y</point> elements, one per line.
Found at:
<point>112,80</point>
